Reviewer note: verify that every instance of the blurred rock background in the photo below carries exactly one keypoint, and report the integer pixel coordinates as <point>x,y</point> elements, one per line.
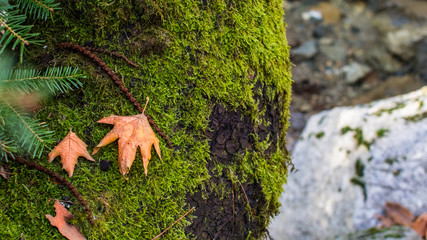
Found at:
<point>347,53</point>
<point>352,52</point>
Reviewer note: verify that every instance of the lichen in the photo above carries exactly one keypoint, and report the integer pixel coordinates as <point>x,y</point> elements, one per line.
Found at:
<point>192,56</point>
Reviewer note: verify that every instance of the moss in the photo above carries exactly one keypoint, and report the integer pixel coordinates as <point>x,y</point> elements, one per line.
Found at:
<point>192,56</point>
<point>391,161</point>
<point>358,136</point>
<point>345,129</point>
<point>359,167</point>
<point>398,105</point>
<point>319,135</point>
<point>360,182</point>
<point>417,117</point>
<point>393,232</point>
<point>382,132</point>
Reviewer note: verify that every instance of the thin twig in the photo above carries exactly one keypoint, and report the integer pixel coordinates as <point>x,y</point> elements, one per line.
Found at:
<point>59,178</point>
<point>232,196</point>
<point>179,219</point>
<point>244,192</point>
<point>119,83</point>
<point>118,55</point>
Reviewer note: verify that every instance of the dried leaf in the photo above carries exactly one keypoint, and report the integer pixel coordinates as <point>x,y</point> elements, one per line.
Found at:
<point>399,214</point>
<point>70,148</point>
<point>69,231</point>
<point>3,172</point>
<point>420,225</point>
<point>385,221</point>
<point>133,132</point>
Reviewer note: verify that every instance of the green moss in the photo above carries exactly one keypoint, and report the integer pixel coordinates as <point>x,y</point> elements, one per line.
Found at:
<point>393,232</point>
<point>345,129</point>
<point>390,161</point>
<point>358,136</point>
<point>359,167</point>
<point>382,132</point>
<point>360,182</point>
<point>191,57</point>
<point>319,135</point>
<point>398,105</point>
<point>417,117</point>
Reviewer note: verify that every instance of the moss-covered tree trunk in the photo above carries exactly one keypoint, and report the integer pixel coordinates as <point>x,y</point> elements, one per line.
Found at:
<point>218,77</point>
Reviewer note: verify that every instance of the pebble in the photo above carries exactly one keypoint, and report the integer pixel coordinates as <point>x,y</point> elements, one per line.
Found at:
<point>306,50</point>
<point>355,71</point>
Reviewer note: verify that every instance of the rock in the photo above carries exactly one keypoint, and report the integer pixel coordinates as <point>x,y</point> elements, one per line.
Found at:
<point>391,233</point>
<point>330,13</point>
<point>306,50</point>
<point>413,7</point>
<point>350,161</point>
<point>392,86</point>
<point>302,71</point>
<point>355,71</point>
<point>320,31</point>
<point>420,66</point>
<point>311,14</point>
<point>380,59</point>
<point>335,52</point>
<point>402,41</point>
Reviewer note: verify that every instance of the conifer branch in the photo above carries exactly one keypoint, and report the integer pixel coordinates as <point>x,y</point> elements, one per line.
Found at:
<point>9,29</point>
<point>53,79</point>
<point>38,9</point>
<point>28,132</point>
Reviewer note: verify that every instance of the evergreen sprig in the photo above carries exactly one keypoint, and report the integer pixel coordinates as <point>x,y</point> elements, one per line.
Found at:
<point>24,133</point>
<point>57,79</point>
<point>38,9</point>
<point>18,131</point>
<point>13,30</point>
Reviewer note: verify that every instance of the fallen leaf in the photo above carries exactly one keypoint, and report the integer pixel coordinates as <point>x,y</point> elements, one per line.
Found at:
<point>69,231</point>
<point>3,172</point>
<point>385,221</point>
<point>420,225</point>
<point>133,132</point>
<point>399,214</point>
<point>70,148</point>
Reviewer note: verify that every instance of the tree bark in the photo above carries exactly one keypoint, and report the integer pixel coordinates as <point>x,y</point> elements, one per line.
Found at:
<point>218,77</point>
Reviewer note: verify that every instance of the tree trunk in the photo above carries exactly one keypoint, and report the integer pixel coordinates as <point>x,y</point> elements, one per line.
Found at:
<point>218,77</point>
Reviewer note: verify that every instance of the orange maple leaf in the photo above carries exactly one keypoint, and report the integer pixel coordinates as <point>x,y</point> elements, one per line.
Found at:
<point>133,132</point>
<point>60,221</point>
<point>420,225</point>
<point>70,148</point>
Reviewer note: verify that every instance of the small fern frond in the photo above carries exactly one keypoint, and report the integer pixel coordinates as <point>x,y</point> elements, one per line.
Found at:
<point>15,33</point>
<point>29,134</point>
<point>39,9</point>
<point>57,79</point>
